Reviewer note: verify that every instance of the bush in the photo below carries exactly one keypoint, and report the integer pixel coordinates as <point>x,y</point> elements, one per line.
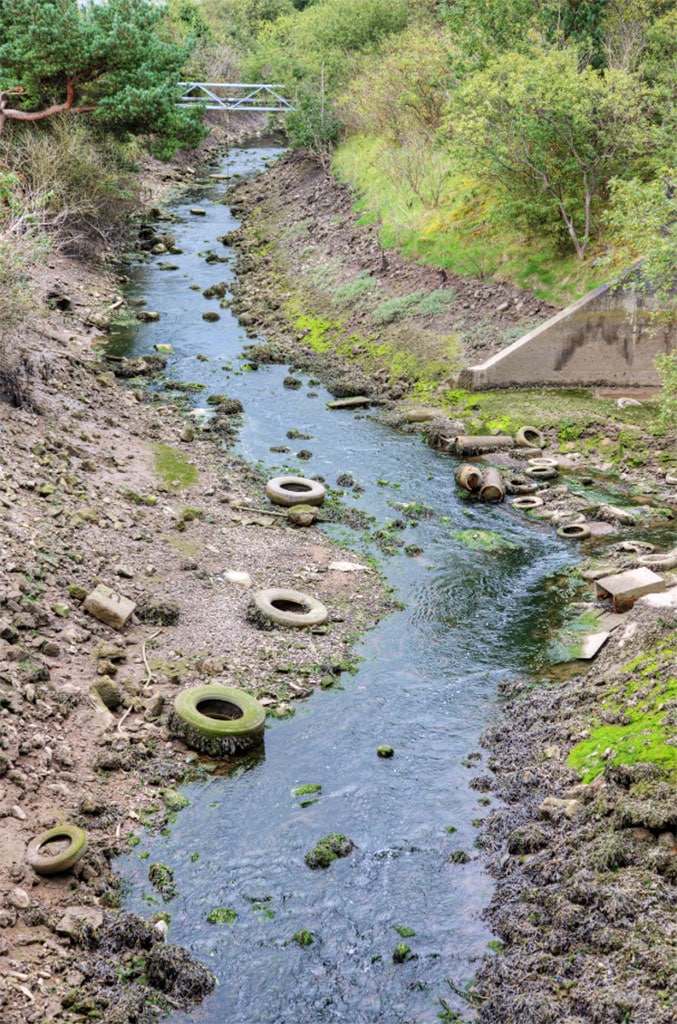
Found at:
<point>74,182</point>
<point>318,41</point>
<point>667,371</point>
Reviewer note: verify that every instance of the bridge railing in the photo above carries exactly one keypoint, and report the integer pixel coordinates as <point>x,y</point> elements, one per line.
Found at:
<point>234,96</point>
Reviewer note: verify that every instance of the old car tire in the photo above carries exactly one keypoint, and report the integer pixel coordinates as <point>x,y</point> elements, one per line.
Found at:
<point>542,472</point>
<point>527,502</point>
<point>46,863</point>
<point>290,607</point>
<point>574,531</point>
<point>295,490</point>
<point>215,719</point>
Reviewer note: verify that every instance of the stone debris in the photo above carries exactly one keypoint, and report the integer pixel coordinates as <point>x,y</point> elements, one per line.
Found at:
<point>625,587</point>
<point>592,645</point>
<point>109,607</point>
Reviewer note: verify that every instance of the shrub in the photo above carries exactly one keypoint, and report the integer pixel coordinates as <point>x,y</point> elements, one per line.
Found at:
<point>75,182</point>
<point>666,364</point>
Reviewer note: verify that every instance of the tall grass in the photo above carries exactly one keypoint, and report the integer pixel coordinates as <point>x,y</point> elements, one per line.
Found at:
<point>75,184</point>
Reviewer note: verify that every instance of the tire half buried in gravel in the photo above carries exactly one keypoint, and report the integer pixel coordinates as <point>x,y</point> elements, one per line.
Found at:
<point>289,608</point>
<point>217,720</point>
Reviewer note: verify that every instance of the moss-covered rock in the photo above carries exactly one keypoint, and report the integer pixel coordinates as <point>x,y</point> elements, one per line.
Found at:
<point>329,849</point>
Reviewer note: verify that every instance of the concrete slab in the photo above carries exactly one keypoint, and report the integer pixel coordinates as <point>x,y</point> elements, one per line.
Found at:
<point>592,645</point>
<point>350,403</point>
<point>625,587</point>
<point>611,620</point>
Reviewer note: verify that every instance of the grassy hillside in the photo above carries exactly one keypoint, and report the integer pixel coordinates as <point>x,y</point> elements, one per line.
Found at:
<point>461,233</point>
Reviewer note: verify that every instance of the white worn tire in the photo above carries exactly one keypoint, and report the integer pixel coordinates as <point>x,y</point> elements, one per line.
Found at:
<point>295,490</point>
<point>290,607</point>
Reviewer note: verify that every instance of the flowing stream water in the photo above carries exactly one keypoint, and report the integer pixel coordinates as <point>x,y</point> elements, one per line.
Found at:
<point>426,684</point>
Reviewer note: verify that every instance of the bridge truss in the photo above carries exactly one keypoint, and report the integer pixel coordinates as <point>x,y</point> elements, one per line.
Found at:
<point>233,96</point>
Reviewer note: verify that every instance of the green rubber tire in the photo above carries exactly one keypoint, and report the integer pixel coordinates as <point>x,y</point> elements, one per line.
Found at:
<point>305,610</point>
<point>246,730</point>
<point>295,490</point>
<point>53,864</point>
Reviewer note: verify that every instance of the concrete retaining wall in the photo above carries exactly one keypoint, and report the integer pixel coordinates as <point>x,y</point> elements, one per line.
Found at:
<point>604,338</point>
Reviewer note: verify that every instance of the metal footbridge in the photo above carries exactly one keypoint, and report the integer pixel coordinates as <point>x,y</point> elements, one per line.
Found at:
<point>234,96</point>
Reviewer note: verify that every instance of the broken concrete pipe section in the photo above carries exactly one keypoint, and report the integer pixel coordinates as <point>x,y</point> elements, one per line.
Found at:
<point>486,483</point>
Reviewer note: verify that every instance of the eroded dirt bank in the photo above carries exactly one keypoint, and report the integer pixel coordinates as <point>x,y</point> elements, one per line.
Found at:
<point>100,483</point>
<point>585,899</point>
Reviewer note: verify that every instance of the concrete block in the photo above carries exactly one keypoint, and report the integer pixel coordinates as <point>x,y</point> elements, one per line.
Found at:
<point>625,587</point>
<point>108,606</point>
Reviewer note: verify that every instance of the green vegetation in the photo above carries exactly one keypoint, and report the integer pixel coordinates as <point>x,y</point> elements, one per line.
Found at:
<point>222,915</point>
<point>108,60</point>
<point>304,938</point>
<point>307,790</point>
<point>173,468</point>
<point>484,540</point>
<point>640,702</point>
<point>530,141</point>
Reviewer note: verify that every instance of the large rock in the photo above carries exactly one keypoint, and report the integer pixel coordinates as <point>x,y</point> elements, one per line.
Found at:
<point>108,606</point>
<point>78,922</point>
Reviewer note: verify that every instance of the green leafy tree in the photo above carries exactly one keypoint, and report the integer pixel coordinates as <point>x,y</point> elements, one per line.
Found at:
<point>320,41</point>
<point>548,136</point>
<point>643,215</point>
<point>405,87</point>
<point>107,59</point>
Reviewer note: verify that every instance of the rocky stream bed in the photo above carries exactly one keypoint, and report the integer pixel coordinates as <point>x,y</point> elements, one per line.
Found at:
<point>101,481</point>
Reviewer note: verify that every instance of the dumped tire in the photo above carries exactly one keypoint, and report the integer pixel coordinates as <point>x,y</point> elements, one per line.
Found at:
<point>47,863</point>
<point>217,720</point>
<point>290,608</point>
<point>659,562</point>
<point>574,531</point>
<point>527,502</point>
<point>529,437</point>
<point>295,490</point>
<point>541,472</point>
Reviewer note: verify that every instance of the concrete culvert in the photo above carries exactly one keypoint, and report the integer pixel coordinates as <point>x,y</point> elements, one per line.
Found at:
<point>57,850</point>
<point>492,488</point>
<point>544,460</point>
<point>290,608</point>
<point>574,531</point>
<point>217,720</point>
<point>468,477</point>
<point>295,490</point>
<point>529,437</point>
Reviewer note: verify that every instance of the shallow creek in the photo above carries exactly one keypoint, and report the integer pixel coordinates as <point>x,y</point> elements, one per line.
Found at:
<point>426,685</point>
